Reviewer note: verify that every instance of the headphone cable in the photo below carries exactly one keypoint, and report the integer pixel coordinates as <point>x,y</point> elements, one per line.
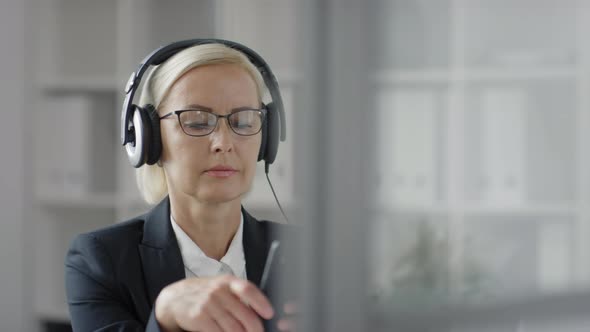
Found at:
<point>266,167</point>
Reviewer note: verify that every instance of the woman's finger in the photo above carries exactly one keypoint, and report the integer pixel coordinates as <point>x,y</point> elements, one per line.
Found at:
<point>203,323</point>
<point>242,312</point>
<point>251,295</point>
<point>225,319</point>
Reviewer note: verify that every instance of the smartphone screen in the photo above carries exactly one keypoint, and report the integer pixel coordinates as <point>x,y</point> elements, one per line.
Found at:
<point>270,267</point>
<point>270,283</point>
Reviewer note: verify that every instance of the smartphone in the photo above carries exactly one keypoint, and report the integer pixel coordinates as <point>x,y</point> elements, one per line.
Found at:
<point>271,281</point>
<point>270,267</point>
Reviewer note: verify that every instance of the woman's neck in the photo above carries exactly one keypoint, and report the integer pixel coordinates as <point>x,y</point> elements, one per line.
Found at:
<point>211,226</point>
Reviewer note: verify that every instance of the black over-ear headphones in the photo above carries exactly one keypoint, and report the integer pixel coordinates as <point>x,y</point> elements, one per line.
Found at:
<point>140,125</point>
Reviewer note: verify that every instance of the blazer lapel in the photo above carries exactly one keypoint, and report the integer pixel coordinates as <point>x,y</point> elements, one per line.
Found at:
<point>160,254</point>
<point>161,258</point>
<point>255,241</point>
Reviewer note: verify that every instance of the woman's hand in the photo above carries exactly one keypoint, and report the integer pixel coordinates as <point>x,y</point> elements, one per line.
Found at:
<point>217,304</point>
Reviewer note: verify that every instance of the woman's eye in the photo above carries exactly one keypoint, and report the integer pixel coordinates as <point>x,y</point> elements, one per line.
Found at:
<point>242,120</point>
<point>239,124</point>
<point>196,125</point>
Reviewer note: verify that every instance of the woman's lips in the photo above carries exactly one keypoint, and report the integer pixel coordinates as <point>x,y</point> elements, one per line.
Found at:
<point>220,172</point>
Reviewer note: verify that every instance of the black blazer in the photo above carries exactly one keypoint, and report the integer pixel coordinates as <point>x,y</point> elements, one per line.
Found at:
<point>113,275</point>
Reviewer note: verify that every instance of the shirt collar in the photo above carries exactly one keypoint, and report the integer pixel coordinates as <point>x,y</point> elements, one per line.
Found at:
<point>203,266</point>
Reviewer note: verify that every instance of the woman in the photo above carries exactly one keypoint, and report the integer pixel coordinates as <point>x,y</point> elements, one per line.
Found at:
<point>193,262</point>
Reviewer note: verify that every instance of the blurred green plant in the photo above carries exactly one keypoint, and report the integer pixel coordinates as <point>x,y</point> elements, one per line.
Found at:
<point>422,276</point>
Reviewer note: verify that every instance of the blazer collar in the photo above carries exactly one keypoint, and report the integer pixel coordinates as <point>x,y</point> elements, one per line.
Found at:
<point>159,251</point>
<point>256,243</point>
<point>161,258</point>
<point>157,231</point>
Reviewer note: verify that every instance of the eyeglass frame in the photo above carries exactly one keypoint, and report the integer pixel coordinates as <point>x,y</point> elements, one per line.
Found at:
<point>263,112</point>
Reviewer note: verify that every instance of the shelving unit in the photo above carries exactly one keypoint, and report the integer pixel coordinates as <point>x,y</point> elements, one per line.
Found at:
<point>481,74</point>
<point>484,117</point>
<point>87,49</point>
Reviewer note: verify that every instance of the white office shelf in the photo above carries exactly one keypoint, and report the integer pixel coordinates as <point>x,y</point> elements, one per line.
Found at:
<point>406,209</point>
<point>474,74</point>
<point>540,210</point>
<point>80,85</point>
<point>491,74</point>
<point>85,200</point>
<point>481,210</point>
<point>483,120</point>
<point>401,76</point>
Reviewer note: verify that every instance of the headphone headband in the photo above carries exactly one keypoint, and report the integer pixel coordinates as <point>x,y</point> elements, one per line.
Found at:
<point>163,53</point>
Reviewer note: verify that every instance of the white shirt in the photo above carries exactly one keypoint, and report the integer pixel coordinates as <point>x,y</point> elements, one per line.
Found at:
<point>197,264</point>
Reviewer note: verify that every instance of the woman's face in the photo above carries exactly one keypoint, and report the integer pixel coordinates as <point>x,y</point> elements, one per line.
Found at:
<point>189,161</point>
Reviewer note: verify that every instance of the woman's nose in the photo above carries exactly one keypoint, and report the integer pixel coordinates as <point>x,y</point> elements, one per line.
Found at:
<point>221,137</point>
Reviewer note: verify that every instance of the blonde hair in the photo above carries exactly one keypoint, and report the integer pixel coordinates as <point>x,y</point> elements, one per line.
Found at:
<point>151,179</point>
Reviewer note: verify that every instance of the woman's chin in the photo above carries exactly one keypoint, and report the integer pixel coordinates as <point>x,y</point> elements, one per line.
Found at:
<point>220,196</point>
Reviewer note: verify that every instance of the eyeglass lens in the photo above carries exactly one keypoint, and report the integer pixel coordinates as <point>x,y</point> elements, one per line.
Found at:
<point>201,123</point>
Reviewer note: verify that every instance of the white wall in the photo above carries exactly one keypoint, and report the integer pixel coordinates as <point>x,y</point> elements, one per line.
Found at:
<point>12,189</point>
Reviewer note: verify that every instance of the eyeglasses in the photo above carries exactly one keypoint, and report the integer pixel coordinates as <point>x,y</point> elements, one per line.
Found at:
<point>245,122</point>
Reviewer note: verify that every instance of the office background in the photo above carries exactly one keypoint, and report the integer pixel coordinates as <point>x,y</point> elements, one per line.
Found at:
<point>437,151</point>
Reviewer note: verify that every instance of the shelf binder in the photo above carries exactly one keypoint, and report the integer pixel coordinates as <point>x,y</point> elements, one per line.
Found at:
<point>406,147</point>
<point>63,126</point>
<point>503,123</point>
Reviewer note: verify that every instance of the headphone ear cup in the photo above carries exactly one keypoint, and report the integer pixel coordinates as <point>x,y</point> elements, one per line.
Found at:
<point>262,151</point>
<point>155,141</point>
<point>146,134</point>
<point>136,147</point>
<point>272,139</point>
